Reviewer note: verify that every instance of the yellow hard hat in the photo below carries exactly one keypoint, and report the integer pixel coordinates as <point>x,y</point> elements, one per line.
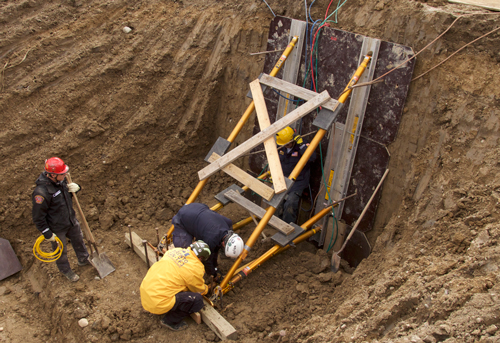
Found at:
<point>285,136</point>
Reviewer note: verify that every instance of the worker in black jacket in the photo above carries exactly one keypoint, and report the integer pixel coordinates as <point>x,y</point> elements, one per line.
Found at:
<point>196,220</point>
<point>54,216</point>
<point>293,147</point>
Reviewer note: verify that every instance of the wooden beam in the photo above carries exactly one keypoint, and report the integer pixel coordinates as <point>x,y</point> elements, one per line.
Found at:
<point>139,248</point>
<point>217,323</point>
<point>245,178</point>
<point>273,158</point>
<point>209,315</point>
<point>258,211</point>
<point>295,90</point>
<point>251,143</point>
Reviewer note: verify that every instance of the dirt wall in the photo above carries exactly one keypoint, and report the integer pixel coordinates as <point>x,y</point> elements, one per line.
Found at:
<point>133,115</point>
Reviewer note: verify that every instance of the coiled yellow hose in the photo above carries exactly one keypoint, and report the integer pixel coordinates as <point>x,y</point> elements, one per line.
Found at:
<point>44,256</point>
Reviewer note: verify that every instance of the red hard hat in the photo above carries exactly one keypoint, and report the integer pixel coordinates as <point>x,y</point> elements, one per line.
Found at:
<point>55,165</point>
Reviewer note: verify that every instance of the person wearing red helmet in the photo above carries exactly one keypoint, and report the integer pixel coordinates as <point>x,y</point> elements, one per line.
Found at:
<point>54,216</point>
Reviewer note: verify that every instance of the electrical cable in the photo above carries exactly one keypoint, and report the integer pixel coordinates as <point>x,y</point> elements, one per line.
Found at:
<point>269,8</point>
<point>44,256</point>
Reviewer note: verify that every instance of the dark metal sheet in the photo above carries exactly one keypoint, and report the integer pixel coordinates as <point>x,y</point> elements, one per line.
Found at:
<point>277,199</point>
<point>222,199</point>
<point>220,147</point>
<point>284,240</point>
<point>9,263</point>
<point>357,249</point>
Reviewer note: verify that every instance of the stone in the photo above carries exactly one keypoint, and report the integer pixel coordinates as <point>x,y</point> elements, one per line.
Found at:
<point>105,323</point>
<point>80,313</point>
<point>210,336</point>
<point>83,322</point>
<point>325,277</point>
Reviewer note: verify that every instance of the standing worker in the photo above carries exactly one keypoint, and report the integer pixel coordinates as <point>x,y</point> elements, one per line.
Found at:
<point>174,285</point>
<point>197,220</point>
<point>293,147</point>
<point>54,216</point>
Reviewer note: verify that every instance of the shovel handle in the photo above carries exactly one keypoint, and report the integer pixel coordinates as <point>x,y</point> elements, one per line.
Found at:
<point>86,228</point>
<point>364,211</point>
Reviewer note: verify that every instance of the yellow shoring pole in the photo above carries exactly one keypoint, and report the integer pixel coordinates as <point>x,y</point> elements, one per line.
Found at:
<point>293,175</point>
<point>249,244</point>
<point>354,79</point>
<point>250,267</point>
<point>240,123</point>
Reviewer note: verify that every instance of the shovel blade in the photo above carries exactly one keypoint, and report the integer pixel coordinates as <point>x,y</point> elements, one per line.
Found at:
<point>335,263</point>
<point>102,263</point>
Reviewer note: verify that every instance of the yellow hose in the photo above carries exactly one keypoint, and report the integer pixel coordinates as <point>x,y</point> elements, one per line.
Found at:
<point>44,256</point>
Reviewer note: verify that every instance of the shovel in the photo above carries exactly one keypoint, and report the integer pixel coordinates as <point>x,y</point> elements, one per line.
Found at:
<point>100,261</point>
<point>335,262</point>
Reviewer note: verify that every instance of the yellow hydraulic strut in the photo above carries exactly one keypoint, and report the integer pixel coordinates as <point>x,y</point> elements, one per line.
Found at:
<point>239,125</point>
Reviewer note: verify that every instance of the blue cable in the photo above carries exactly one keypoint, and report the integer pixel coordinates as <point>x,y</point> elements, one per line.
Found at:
<point>274,90</point>
<point>269,8</point>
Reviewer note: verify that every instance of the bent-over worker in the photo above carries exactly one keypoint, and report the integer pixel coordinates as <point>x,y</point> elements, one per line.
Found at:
<point>293,149</point>
<point>196,220</point>
<point>54,216</point>
<point>174,285</point>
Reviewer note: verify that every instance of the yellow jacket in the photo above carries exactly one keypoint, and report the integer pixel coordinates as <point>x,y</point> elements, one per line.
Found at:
<point>179,270</point>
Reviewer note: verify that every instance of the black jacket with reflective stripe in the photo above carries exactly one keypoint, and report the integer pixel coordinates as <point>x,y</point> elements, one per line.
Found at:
<point>52,205</point>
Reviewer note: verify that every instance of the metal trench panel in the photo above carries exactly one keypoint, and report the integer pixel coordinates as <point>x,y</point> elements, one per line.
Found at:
<point>339,53</point>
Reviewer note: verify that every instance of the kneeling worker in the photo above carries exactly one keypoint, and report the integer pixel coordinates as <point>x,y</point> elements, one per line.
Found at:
<point>174,286</point>
<point>197,221</point>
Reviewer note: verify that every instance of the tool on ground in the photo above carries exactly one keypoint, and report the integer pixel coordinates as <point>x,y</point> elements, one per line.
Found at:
<point>47,256</point>
<point>335,262</point>
<point>100,261</point>
<point>9,263</point>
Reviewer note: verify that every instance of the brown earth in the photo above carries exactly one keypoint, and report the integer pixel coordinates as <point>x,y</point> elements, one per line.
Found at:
<point>134,114</point>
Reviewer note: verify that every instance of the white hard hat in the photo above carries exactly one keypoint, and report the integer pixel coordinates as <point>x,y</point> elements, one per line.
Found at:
<point>233,246</point>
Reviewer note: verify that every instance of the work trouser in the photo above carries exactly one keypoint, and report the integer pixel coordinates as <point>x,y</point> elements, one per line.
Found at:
<point>290,207</point>
<point>74,233</point>
<point>185,304</point>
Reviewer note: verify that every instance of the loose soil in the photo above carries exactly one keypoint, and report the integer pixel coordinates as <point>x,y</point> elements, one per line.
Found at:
<point>134,114</point>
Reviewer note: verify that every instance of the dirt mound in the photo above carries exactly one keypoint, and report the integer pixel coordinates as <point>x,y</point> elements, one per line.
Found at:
<point>133,114</point>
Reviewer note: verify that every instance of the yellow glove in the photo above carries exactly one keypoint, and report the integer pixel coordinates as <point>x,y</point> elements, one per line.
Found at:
<point>298,139</point>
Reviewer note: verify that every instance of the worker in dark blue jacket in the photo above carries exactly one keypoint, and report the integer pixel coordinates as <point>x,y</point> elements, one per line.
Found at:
<point>293,147</point>
<point>54,216</point>
<point>196,220</point>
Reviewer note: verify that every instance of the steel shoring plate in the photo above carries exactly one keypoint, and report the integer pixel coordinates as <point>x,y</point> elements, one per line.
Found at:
<point>338,59</point>
<point>9,263</point>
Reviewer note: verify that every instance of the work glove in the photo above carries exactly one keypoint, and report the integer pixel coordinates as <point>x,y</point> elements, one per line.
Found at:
<point>50,236</point>
<point>73,187</point>
<point>298,139</point>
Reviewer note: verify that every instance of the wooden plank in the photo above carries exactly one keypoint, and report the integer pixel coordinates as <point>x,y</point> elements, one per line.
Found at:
<point>251,143</point>
<point>273,158</point>
<point>245,178</point>
<point>217,323</point>
<point>493,5</point>
<point>139,248</point>
<point>208,314</point>
<point>295,90</point>
<point>258,211</point>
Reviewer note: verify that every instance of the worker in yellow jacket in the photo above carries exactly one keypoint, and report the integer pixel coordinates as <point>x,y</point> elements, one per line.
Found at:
<point>174,286</point>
